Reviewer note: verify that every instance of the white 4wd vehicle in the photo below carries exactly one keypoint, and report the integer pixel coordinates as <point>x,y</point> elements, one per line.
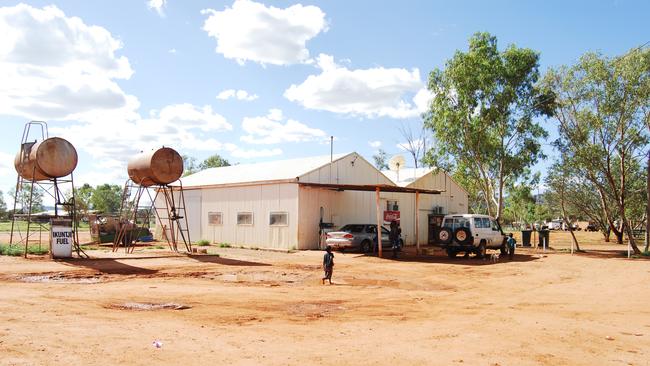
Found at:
<point>471,233</point>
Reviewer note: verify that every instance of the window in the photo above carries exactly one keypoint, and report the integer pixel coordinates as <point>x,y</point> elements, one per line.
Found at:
<point>486,222</point>
<point>215,218</point>
<point>279,219</point>
<point>244,218</point>
<point>456,222</point>
<point>481,223</point>
<point>392,206</point>
<point>352,228</point>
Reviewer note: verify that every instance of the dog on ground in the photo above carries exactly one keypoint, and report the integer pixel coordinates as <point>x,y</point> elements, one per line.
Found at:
<point>494,257</point>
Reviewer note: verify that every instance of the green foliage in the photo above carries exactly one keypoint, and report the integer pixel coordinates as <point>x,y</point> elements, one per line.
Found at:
<point>3,207</point>
<point>482,117</point>
<point>23,198</point>
<point>224,245</point>
<point>213,161</point>
<point>520,204</point>
<point>17,250</point>
<point>190,166</point>
<point>602,108</point>
<point>106,198</point>
<point>203,243</point>
<point>381,159</point>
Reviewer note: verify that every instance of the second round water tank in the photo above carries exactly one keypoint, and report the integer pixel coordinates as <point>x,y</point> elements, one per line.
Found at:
<point>162,166</point>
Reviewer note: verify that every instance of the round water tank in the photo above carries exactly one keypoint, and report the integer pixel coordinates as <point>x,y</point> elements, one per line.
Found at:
<point>162,166</point>
<point>53,157</point>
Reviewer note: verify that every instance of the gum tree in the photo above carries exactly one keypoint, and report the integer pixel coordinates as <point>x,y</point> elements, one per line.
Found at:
<point>601,108</point>
<point>482,116</point>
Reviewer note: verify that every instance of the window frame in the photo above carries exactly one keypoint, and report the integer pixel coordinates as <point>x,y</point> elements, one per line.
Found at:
<point>392,208</point>
<point>285,213</point>
<point>210,223</point>
<point>246,213</point>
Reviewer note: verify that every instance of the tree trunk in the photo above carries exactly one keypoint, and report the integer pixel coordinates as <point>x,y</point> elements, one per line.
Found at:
<point>626,224</point>
<point>500,199</point>
<point>647,206</point>
<point>566,221</point>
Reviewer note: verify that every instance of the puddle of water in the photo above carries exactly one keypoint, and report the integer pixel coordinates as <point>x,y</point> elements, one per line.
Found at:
<point>144,306</point>
<point>59,278</point>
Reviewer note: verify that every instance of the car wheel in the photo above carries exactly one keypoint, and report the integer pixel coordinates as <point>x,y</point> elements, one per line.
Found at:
<point>451,253</point>
<point>444,236</point>
<point>481,250</point>
<point>366,246</point>
<point>463,236</point>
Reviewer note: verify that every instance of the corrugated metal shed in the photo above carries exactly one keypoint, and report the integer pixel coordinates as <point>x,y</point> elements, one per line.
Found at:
<point>271,171</point>
<point>406,175</point>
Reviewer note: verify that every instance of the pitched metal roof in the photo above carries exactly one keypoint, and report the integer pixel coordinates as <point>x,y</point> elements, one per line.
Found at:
<point>406,175</point>
<point>270,171</point>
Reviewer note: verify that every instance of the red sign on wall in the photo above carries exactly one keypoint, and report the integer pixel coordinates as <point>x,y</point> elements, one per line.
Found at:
<point>391,216</point>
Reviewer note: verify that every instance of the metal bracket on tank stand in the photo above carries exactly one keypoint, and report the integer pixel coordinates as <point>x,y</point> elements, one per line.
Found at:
<point>170,218</point>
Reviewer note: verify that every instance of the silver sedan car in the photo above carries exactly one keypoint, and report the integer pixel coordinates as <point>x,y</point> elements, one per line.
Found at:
<point>362,237</point>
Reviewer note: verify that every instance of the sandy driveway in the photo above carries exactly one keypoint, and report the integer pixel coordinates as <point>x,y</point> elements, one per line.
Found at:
<point>252,307</point>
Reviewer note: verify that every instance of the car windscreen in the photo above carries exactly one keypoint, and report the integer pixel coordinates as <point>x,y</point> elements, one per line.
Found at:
<point>352,228</point>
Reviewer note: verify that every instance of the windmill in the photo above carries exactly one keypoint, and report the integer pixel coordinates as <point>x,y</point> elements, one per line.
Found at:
<point>395,163</point>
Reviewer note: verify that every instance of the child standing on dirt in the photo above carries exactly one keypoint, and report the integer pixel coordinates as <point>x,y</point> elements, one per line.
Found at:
<point>512,243</point>
<point>328,264</point>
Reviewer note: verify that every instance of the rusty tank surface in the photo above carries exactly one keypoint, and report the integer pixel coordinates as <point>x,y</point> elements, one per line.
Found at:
<point>53,157</point>
<point>162,166</point>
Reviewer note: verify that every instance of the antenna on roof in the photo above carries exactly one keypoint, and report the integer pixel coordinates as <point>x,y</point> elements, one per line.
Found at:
<point>395,163</point>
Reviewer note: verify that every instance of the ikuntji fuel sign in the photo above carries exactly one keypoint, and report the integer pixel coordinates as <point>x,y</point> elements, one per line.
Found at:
<point>62,238</point>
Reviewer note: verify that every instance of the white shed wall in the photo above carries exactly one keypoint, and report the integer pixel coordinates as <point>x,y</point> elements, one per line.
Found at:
<point>339,208</point>
<point>454,200</point>
<point>350,169</point>
<point>261,200</point>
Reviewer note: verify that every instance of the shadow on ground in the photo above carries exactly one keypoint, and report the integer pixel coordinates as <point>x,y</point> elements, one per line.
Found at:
<point>108,266</point>
<point>458,260</point>
<point>207,258</point>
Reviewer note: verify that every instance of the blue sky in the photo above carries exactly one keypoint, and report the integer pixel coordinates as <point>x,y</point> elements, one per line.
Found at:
<point>255,81</point>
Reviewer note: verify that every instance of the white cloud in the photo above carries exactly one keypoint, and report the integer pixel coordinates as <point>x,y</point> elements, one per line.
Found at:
<point>158,6</point>
<point>236,94</point>
<point>54,66</point>
<point>374,144</point>
<point>375,92</point>
<point>269,129</point>
<point>250,31</point>
<point>112,140</point>
<point>172,51</point>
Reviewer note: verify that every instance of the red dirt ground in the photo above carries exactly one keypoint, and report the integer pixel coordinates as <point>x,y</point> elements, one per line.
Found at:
<point>249,307</point>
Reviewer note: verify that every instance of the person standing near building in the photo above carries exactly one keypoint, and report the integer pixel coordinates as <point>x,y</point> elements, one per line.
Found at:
<point>512,243</point>
<point>328,264</point>
<point>394,235</point>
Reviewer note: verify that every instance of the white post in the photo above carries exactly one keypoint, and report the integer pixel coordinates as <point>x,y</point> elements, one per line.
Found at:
<point>544,241</point>
<point>629,250</point>
<point>417,219</point>
<point>379,221</point>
